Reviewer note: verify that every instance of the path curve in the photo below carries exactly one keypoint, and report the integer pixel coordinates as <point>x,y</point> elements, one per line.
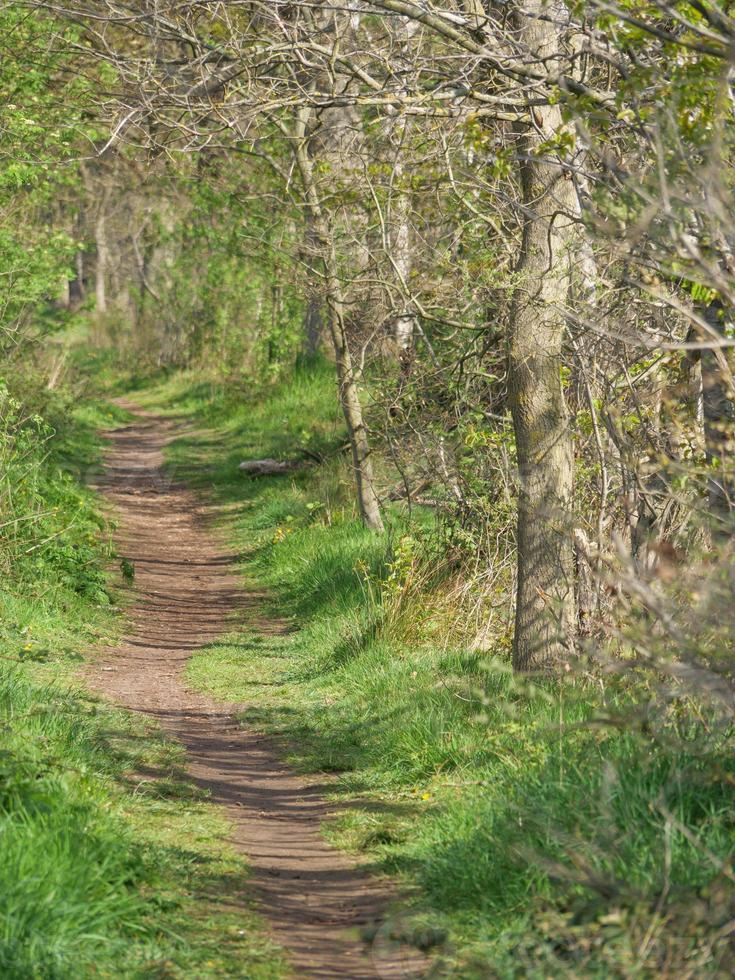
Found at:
<point>186,588</point>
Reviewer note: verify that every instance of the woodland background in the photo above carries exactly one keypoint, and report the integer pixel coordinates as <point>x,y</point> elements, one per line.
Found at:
<point>468,269</point>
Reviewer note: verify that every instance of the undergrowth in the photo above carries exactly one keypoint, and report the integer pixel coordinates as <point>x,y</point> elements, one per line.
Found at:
<point>541,826</point>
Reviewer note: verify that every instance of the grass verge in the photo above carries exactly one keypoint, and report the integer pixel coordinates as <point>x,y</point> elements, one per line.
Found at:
<point>545,830</point>
<point>111,864</point>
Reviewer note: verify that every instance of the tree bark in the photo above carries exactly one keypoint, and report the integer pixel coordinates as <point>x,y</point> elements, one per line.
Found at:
<point>103,255</point>
<point>100,290</point>
<point>545,605</point>
<point>405,323</point>
<point>718,417</point>
<point>313,323</point>
<point>77,291</point>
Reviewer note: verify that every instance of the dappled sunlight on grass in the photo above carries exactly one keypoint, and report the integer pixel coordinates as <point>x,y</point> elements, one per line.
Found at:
<point>112,863</point>
<point>513,812</point>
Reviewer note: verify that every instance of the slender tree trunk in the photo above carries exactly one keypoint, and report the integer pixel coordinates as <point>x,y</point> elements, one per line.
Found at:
<point>545,606</point>
<point>348,389</point>
<point>100,240</point>
<point>405,323</point>
<point>100,291</point>
<point>76,285</point>
<point>77,291</point>
<point>718,417</point>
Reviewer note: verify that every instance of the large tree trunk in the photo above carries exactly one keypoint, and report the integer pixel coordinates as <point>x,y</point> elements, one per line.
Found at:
<point>348,389</point>
<point>545,608</point>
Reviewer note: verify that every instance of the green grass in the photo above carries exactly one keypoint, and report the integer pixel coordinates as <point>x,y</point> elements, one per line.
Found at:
<point>111,863</point>
<point>547,844</point>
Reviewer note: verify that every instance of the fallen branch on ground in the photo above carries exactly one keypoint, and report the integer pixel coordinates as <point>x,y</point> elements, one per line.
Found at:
<point>268,467</point>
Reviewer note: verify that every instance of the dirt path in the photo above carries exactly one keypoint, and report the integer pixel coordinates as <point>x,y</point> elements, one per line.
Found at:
<point>185,589</point>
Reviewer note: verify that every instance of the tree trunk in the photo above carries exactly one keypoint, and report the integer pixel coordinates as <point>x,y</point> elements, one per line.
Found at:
<point>348,389</point>
<point>545,607</point>
<point>405,323</point>
<point>100,277</point>
<point>718,417</point>
<point>313,314</point>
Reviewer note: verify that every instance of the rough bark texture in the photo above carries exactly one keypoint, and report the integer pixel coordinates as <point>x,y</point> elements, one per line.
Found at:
<point>545,609</point>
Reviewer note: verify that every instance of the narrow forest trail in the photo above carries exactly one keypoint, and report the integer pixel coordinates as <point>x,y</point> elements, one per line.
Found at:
<point>186,591</point>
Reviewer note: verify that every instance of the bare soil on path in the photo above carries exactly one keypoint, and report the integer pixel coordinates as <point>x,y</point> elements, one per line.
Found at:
<point>186,591</point>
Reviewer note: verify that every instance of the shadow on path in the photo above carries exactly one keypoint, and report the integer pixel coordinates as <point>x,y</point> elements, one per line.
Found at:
<point>186,591</point>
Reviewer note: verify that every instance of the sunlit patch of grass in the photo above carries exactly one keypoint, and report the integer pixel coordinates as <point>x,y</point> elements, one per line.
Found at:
<point>111,863</point>
<point>528,815</point>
